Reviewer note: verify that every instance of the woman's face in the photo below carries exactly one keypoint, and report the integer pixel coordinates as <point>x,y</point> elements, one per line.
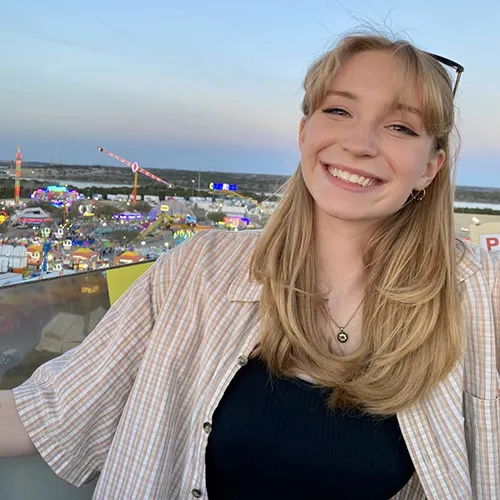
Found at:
<point>362,153</point>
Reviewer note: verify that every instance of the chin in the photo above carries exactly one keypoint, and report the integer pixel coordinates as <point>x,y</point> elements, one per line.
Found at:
<point>354,218</point>
<point>350,213</point>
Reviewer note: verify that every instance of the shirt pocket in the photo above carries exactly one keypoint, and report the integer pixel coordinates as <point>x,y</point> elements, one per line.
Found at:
<point>482,415</point>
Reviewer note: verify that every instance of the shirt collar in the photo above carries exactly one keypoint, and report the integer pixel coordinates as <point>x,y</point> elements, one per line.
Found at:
<point>468,260</point>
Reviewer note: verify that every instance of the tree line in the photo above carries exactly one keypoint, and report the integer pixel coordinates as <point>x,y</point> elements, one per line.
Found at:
<point>7,191</point>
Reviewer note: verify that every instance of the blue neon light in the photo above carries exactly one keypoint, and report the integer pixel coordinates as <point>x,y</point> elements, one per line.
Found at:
<point>225,187</point>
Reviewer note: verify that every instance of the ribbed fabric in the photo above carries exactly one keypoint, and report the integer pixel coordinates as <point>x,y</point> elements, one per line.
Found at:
<point>275,438</point>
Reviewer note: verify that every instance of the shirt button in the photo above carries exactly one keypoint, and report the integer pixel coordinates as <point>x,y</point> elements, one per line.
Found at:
<point>242,360</point>
<point>207,427</point>
<point>196,493</point>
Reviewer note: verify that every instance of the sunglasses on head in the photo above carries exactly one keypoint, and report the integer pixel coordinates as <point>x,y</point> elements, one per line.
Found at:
<point>459,69</point>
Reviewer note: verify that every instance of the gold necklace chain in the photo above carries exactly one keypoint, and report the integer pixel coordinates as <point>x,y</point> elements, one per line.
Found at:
<point>342,336</point>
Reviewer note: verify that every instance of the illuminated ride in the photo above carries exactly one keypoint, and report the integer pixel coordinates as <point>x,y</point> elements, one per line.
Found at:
<point>236,222</point>
<point>191,220</point>
<point>162,217</point>
<point>86,209</point>
<point>127,216</point>
<point>181,226</point>
<point>136,169</point>
<point>42,252</point>
<point>51,251</point>
<point>57,196</point>
<point>3,216</point>
<point>182,235</point>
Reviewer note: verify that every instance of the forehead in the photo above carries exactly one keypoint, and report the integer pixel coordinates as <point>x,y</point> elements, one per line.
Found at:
<point>379,77</point>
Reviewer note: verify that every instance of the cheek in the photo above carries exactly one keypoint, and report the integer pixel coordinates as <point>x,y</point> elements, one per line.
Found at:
<point>315,138</point>
<point>409,164</point>
<point>308,174</point>
<point>307,152</point>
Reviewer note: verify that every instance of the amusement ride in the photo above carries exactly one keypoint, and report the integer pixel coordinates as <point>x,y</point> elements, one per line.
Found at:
<point>136,169</point>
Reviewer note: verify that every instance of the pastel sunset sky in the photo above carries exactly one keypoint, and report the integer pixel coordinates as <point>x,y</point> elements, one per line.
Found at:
<point>214,85</point>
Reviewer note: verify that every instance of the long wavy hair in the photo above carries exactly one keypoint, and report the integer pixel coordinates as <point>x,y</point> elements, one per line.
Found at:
<point>412,327</point>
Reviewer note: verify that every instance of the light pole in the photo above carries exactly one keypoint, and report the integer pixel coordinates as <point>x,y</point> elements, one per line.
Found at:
<point>192,188</point>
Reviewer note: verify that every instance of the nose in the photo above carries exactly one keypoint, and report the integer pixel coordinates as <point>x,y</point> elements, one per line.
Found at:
<point>361,140</point>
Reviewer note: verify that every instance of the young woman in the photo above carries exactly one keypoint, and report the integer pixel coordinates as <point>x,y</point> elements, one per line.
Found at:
<point>349,351</point>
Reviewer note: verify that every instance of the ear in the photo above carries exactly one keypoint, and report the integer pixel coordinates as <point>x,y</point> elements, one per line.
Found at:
<point>302,131</point>
<point>432,168</point>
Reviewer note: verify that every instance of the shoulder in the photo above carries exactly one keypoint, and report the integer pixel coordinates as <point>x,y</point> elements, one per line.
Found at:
<point>217,246</point>
<point>210,245</point>
<point>210,257</point>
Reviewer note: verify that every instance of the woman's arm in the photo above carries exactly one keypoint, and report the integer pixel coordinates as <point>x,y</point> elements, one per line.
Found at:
<point>14,439</point>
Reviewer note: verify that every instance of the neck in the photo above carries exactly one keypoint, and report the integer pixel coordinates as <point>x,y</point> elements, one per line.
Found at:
<point>339,249</point>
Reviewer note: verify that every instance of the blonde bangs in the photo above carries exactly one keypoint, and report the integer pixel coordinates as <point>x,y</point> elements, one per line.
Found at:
<point>433,81</point>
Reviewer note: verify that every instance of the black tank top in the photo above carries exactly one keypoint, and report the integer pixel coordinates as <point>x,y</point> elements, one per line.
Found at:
<point>275,439</point>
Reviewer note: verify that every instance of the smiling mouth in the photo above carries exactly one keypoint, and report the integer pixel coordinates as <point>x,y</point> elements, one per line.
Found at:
<point>350,177</point>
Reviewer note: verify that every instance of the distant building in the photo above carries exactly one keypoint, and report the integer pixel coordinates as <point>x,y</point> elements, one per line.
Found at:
<point>151,198</point>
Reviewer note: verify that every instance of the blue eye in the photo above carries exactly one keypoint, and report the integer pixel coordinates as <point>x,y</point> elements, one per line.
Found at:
<point>336,111</point>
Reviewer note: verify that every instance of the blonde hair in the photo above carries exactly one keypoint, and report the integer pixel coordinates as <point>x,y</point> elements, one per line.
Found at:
<point>412,330</point>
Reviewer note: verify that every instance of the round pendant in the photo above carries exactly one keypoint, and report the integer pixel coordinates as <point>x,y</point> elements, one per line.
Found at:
<point>342,337</point>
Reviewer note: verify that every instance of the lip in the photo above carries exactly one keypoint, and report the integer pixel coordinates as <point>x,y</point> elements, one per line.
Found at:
<point>356,171</point>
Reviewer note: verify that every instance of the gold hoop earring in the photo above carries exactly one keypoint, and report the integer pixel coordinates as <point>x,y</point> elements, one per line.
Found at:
<point>419,196</point>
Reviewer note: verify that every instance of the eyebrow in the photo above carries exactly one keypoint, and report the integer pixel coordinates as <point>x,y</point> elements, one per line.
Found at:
<point>399,106</point>
<point>404,107</point>
<point>343,93</point>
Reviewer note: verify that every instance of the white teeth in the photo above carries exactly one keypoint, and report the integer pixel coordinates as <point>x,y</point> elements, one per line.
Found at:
<point>352,178</point>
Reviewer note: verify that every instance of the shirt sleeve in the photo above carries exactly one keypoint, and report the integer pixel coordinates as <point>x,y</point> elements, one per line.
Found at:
<point>71,405</point>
